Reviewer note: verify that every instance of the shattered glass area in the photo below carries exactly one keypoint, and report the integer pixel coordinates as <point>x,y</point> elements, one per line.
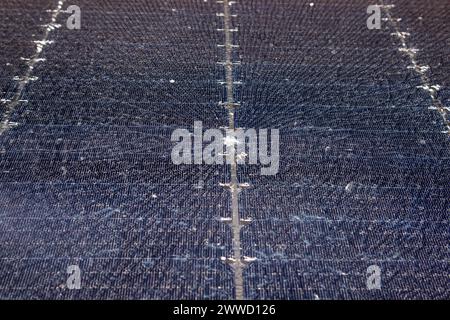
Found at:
<point>86,176</point>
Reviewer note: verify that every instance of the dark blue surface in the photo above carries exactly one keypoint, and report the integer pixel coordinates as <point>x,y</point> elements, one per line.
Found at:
<point>86,178</point>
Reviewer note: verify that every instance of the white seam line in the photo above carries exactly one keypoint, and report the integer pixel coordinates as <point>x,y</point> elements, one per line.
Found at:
<point>10,104</point>
<point>419,69</point>
<point>237,261</point>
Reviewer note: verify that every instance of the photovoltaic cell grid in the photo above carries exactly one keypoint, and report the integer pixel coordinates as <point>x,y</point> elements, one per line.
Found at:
<point>364,163</point>
<point>87,179</point>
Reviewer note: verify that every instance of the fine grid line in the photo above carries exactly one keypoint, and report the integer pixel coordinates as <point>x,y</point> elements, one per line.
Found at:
<point>11,104</point>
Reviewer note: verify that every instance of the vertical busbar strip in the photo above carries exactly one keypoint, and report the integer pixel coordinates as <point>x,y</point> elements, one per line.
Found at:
<point>11,104</point>
<point>236,261</point>
<point>421,70</point>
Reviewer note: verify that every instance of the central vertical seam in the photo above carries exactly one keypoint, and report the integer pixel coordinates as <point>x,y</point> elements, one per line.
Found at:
<point>236,261</point>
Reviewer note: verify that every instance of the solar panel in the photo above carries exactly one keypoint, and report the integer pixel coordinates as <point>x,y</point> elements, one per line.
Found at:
<point>92,206</point>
